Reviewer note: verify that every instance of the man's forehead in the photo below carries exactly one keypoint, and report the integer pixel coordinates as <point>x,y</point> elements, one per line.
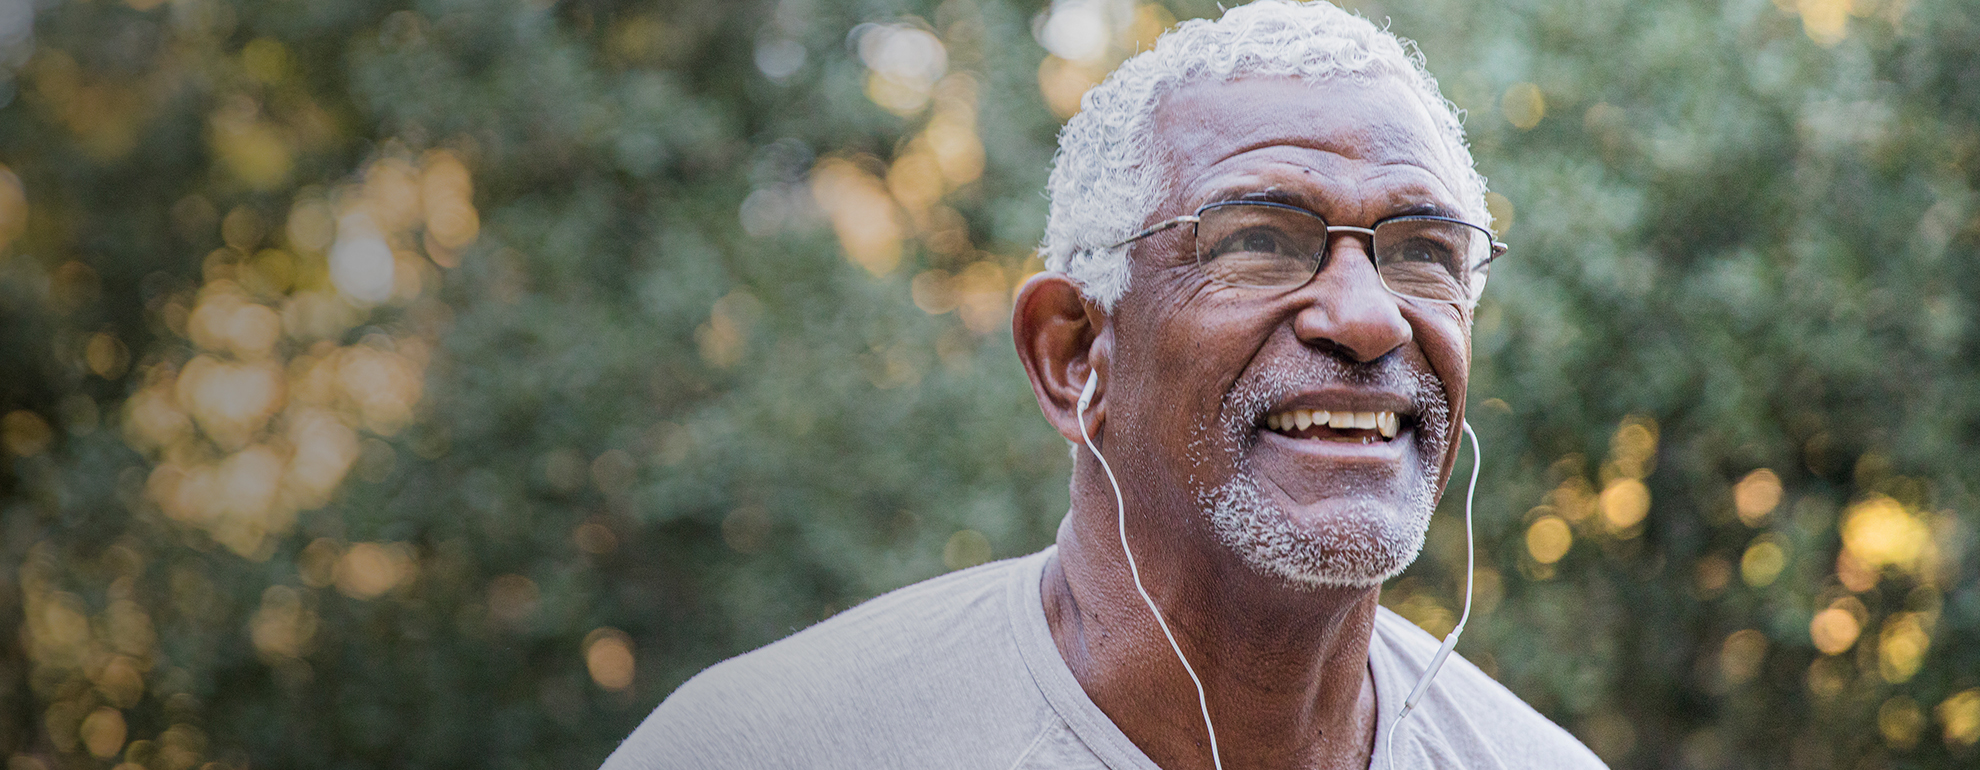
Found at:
<point>1203,125</point>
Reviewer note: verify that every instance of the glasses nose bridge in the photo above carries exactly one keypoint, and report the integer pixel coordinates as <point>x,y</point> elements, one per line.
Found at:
<point>1334,231</point>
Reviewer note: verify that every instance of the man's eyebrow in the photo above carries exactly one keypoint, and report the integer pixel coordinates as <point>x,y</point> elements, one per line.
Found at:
<point>1426,209</point>
<point>1289,198</point>
<point>1271,195</point>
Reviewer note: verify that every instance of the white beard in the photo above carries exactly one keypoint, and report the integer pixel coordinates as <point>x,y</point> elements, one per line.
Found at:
<point>1358,545</point>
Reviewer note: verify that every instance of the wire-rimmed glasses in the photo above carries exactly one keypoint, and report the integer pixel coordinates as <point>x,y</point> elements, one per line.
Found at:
<point>1260,244</point>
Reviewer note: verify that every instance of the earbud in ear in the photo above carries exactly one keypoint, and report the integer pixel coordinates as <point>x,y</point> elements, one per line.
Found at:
<point>1086,395</point>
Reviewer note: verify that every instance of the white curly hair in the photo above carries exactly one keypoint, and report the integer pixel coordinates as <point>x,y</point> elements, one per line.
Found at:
<point>1106,181</point>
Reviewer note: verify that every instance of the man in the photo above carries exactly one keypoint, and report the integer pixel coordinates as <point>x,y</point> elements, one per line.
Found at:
<point>1265,242</point>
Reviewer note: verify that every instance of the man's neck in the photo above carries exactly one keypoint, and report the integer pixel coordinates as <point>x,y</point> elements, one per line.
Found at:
<point>1285,670</point>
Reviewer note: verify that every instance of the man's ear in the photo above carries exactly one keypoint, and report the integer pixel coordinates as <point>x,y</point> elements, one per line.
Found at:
<point>1059,338</point>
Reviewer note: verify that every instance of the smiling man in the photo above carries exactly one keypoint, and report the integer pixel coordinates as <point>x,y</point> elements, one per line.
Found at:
<point>1265,242</point>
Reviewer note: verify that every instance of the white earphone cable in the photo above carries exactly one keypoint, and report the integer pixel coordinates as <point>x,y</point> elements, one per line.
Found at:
<point>1450,641</point>
<point>1120,503</point>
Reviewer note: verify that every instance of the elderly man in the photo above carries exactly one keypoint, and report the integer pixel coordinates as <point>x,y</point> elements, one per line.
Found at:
<point>1266,240</point>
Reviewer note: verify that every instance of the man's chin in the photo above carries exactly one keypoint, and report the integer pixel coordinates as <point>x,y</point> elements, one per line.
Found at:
<point>1337,542</point>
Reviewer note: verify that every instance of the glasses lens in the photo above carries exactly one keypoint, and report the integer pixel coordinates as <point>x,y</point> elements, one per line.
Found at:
<point>1432,259</point>
<point>1246,244</point>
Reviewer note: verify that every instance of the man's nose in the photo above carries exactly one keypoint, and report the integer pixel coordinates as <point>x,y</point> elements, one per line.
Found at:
<point>1348,310</point>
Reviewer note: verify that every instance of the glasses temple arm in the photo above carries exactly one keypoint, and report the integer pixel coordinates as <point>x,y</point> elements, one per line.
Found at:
<point>1169,225</point>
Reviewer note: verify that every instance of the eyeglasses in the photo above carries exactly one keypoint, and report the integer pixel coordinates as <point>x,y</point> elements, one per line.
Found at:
<point>1264,245</point>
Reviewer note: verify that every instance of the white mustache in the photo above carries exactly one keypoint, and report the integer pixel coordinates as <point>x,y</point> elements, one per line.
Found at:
<point>1258,391</point>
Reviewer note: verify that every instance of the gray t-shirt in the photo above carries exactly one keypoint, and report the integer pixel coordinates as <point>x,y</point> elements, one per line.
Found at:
<point>961,672</point>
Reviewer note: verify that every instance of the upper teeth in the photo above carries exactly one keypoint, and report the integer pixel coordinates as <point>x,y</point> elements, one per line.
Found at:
<point>1300,419</point>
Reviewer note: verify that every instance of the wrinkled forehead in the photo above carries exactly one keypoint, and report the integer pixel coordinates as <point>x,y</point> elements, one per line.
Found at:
<point>1334,126</point>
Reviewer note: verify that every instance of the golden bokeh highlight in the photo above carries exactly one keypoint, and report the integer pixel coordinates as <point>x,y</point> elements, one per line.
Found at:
<point>1742,654</point>
<point>608,657</point>
<point>370,570</point>
<point>1548,539</point>
<point>106,356</point>
<point>1879,532</point>
<point>1960,714</point>
<point>722,339</point>
<point>1500,209</point>
<point>1763,561</point>
<point>1835,629</point>
<point>1625,503</point>
<point>1523,105</point>
<point>513,599</point>
<point>103,732</point>
<point>862,214</point>
<point>24,433</point>
<point>1633,449</point>
<point>1902,644</point>
<point>284,626</point>
<point>1427,613</point>
<point>1757,495</point>
<point>258,151</point>
<point>1827,21</point>
<point>1900,720</point>
<point>1065,83</point>
<point>966,548</point>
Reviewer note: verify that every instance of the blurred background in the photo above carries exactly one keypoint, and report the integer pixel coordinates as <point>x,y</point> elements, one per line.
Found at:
<point>433,383</point>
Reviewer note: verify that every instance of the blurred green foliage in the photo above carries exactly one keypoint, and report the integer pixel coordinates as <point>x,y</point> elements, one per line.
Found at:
<point>440,383</point>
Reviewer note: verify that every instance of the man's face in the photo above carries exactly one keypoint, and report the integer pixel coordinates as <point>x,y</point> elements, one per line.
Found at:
<point>1209,381</point>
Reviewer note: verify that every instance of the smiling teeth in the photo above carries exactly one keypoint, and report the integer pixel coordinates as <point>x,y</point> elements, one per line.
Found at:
<point>1387,423</point>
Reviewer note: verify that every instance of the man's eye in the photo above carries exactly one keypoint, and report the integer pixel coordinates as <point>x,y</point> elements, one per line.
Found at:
<point>1420,250</point>
<point>1257,241</point>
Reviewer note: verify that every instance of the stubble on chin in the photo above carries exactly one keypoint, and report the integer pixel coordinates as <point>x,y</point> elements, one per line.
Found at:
<point>1367,534</point>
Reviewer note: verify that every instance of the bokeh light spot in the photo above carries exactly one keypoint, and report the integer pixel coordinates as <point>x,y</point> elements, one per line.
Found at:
<point>1961,716</point>
<point>1879,532</point>
<point>24,433</point>
<point>1741,655</point>
<point>103,732</point>
<point>1757,495</point>
<point>1834,630</point>
<point>862,213</point>
<point>1901,646</point>
<point>1763,562</point>
<point>513,599</point>
<point>608,656</point>
<point>1900,720</point>
<point>966,548</point>
<point>368,570</point>
<point>1625,502</point>
<point>1524,105</point>
<point>1548,539</point>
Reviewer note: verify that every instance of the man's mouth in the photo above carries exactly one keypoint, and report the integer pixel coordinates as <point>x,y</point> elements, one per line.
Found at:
<point>1342,426</point>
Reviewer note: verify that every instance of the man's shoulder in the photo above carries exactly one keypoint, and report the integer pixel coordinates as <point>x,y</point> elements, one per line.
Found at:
<point>901,669</point>
<point>1467,715</point>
